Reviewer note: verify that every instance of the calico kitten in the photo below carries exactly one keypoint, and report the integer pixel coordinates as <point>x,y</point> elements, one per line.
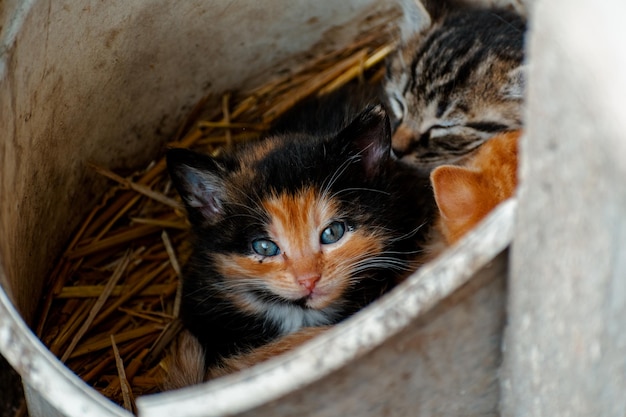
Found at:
<point>466,194</point>
<point>455,84</point>
<point>295,230</point>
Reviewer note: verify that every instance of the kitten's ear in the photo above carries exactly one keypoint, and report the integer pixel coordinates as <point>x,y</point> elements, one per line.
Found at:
<point>456,192</point>
<point>516,83</point>
<point>198,179</point>
<point>414,19</point>
<point>370,135</point>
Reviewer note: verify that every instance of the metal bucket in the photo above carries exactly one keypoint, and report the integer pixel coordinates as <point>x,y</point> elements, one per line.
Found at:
<point>108,83</point>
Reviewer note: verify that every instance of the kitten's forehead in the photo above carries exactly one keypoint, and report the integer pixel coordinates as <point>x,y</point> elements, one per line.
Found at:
<point>478,100</point>
<point>297,217</point>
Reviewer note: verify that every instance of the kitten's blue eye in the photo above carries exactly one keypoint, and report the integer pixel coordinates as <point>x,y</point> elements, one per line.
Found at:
<point>265,247</point>
<point>333,233</point>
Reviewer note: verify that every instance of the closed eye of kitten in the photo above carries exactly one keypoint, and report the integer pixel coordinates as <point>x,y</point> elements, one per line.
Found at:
<point>455,84</point>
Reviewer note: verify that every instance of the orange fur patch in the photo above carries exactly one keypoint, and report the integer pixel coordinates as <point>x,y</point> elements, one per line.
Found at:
<point>465,195</point>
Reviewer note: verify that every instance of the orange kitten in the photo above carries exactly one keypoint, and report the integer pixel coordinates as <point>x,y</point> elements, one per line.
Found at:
<point>466,194</point>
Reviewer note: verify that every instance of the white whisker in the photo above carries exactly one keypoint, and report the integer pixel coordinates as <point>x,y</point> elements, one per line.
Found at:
<point>409,234</point>
<point>373,190</point>
<point>337,174</point>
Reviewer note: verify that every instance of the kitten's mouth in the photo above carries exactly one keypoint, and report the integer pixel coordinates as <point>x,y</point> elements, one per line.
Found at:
<point>308,302</point>
<point>316,300</point>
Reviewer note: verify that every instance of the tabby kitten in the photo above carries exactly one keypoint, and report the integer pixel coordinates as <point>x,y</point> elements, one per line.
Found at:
<point>295,230</point>
<point>455,84</point>
<point>466,194</point>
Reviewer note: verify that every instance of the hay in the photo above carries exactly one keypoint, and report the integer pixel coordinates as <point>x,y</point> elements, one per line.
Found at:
<point>114,296</point>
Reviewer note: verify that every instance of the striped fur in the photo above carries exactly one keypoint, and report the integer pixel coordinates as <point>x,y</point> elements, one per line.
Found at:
<point>288,190</point>
<point>456,84</point>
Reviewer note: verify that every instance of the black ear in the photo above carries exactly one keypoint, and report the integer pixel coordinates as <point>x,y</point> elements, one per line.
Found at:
<point>370,135</point>
<point>198,179</point>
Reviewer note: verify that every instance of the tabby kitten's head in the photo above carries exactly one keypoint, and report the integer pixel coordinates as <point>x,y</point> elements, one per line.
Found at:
<point>300,229</point>
<point>455,84</point>
<point>466,194</point>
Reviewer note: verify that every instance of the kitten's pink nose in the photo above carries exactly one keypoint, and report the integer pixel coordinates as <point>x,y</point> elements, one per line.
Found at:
<point>308,281</point>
